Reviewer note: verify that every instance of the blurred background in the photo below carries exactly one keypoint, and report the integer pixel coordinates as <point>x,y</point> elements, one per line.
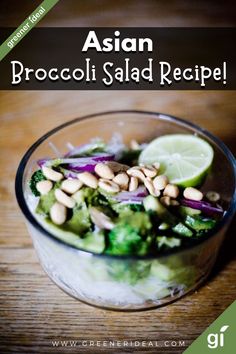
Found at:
<point>140,13</point>
<point>26,115</point>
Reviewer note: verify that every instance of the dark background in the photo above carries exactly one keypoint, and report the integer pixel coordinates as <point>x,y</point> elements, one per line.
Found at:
<point>72,13</point>
<point>181,47</point>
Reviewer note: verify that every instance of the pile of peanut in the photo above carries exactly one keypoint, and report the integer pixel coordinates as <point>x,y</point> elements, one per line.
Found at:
<point>112,177</point>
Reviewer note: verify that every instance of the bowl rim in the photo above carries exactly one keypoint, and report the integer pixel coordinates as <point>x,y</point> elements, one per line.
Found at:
<point>161,116</point>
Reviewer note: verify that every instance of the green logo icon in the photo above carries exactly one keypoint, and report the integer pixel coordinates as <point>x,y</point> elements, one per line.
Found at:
<point>216,340</point>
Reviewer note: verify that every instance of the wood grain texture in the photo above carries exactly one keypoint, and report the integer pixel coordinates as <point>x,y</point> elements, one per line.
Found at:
<point>33,311</point>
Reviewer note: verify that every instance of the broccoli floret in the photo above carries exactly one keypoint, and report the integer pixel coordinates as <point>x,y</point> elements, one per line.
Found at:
<point>36,177</point>
<point>130,235</point>
<point>124,240</point>
<point>139,221</point>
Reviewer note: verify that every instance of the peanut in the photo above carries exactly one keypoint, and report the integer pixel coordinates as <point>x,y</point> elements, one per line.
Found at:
<point>104,171</point>
<point>108,186</point>
<point>122,179</point>
<point>149,171</point>
<point>64,199</point>
<point>88,179</point>
<point>58,213</point>
<point>136,172</point>
<point>52,175</point>
<point>171,191</point>
<point>133,184</point>
<point>160,182</point>
<point>71,186</point>
<point>193,194</point>
<point>43,187</point>
<point>150,187</point>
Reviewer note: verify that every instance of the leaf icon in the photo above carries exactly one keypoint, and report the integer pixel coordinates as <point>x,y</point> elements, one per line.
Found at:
<point>223,329</point>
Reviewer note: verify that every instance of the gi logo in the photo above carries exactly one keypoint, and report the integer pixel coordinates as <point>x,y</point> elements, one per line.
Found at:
<point>216,340</point>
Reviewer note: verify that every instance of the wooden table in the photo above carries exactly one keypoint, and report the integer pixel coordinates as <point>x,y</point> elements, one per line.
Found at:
<point>33,311</point>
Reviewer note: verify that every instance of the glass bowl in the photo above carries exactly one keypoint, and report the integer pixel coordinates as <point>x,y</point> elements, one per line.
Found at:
<point>115,282</point>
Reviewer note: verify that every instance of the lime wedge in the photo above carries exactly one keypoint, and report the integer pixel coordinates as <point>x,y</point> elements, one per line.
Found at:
<point>184,158</point>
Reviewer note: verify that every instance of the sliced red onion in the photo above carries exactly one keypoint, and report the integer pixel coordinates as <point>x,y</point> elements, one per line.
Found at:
<point>87,163</point>
<point>79,163</point>
<point>205,207</point>
<point>137,196</point>
<point>43,162</point>
<point>82,168</point>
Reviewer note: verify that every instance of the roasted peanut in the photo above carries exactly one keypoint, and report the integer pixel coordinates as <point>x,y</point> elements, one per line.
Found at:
<point>171,191</point>
<point>64,199</point>
<point>193,194</point>
<point>71,186</point>
<point>88,179</point>
<point>150,187</point>
<point>160,182</point>
<point>122,179</point>
<point>136,172</point>
<point>108,186</point>
<point>133,184</point>
<point>149,171</point>
<point>58,213</point>
<point>104,171</point>
<point>43,187</point>
<point>52,175</point>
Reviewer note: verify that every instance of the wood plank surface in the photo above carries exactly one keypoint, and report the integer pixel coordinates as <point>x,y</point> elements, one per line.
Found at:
<point>33,311</point>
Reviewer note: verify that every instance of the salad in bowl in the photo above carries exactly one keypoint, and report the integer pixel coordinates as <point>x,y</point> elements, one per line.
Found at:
<point>126,219</point>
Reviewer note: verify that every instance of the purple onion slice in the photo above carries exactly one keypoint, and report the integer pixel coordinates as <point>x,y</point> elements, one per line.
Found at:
<point>205,207</point>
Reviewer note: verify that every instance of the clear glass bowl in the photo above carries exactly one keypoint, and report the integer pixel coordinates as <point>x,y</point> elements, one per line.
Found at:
<point>126,283</point>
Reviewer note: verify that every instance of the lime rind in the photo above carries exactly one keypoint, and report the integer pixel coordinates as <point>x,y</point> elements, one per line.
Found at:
<point>185,159</point>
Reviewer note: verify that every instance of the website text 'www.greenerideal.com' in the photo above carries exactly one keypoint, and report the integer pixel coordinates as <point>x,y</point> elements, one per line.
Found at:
<point>118,343</point>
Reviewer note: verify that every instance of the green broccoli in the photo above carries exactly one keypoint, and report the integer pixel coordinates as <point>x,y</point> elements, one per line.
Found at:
<point>131,235</point>
<point>124,240</point>
<point>36,177</point>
